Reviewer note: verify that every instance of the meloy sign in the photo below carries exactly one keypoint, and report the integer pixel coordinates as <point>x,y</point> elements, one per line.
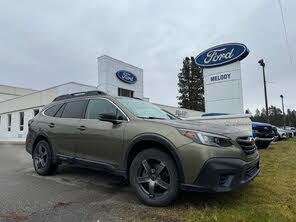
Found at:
<point>126,76</point>
<point>222,55</point>
<point>216,78</point>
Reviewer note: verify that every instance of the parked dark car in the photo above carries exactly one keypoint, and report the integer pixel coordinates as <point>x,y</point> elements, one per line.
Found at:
<point>263,134</point>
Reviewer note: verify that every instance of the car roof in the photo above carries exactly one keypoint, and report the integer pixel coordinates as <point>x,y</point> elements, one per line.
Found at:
<point>87,95</point>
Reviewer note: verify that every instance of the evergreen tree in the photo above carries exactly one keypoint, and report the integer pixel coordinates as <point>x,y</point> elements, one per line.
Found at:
<point>257,113</point>
<point>191,86</point>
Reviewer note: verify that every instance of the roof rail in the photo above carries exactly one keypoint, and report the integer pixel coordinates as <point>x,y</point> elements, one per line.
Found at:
<point>79,94</point>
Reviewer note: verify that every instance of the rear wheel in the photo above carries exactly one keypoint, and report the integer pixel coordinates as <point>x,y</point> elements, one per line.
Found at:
<point>154,177</point>
<point>43,159</point>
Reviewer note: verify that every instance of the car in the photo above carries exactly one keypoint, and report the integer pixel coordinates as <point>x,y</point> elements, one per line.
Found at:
<point>291,131</point>
<point>294,130</point>
<point>263,134</point>
<point>158,156</point>
<point>282,134</point>
<point>275,133</point>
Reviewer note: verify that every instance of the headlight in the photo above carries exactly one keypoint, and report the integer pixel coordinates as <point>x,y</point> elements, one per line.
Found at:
<point>206,138</point>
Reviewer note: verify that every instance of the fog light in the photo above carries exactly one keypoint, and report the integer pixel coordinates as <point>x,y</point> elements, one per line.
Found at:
<point>225,180</point>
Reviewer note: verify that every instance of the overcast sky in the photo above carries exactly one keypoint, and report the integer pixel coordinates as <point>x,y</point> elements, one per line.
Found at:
<point>46,43</point>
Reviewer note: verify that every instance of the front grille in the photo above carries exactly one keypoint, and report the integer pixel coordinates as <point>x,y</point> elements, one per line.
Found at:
<point>263,131</point>
<point>247,144</point>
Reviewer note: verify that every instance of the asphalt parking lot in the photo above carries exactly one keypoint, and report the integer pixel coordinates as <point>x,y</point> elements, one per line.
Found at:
<point>74,194</point>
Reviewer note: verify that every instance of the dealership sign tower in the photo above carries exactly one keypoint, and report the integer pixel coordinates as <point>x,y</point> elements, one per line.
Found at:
<point>222,77</point>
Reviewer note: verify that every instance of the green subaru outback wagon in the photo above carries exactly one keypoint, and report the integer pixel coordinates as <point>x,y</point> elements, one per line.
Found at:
<point>156,153</point>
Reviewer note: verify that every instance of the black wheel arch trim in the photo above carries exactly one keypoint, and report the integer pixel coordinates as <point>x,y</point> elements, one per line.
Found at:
<point>163,141</point>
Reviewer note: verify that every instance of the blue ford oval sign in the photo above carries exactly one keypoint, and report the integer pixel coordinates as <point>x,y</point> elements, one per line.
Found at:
<point>222,55</point>
<point>126,77</point>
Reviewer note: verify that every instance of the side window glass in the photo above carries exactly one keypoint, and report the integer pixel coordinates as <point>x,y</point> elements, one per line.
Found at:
<point>59,113</point>
<point>53,110</point>
<point>74,109</point>
<point>99,106</point>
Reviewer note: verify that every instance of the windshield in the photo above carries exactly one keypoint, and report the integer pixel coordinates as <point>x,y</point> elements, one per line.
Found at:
<point>143,109</point>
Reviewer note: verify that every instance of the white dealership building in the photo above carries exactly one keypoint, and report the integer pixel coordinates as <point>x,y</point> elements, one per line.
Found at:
<point>115,77</point>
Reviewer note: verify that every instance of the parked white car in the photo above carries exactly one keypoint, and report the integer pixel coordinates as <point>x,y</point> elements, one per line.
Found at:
<point>282,134</point>
<point>291,131</point>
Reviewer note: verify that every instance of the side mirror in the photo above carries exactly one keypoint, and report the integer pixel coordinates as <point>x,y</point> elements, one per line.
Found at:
<point>108,117</point>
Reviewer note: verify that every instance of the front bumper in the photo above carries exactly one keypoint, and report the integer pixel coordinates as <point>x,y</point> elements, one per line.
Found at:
<point>224,174</point>
<point>264,139</point>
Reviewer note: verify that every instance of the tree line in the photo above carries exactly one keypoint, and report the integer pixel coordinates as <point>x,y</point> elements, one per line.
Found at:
<point>276,116</point>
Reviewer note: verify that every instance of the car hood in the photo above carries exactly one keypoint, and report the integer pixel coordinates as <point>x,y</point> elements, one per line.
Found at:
<point>206,127</point>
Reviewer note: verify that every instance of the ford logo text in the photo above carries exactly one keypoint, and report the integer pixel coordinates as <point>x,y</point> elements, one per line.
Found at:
<point>222,55</point>
<point>126,77</point>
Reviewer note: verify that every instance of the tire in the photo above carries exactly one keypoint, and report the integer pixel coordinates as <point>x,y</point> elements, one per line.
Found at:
<point>263,145</point>
<point>43,160</point>
<point>153,175</point>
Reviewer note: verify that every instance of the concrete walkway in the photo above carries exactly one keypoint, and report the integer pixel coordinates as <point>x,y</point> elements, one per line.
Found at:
<point>12,141</point>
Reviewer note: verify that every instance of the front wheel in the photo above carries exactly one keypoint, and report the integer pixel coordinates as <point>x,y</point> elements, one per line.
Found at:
<point>43,159</point>
<point>153,175</point>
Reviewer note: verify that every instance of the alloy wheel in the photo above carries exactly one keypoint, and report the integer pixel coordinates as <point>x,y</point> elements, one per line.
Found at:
<point>41,157</point>
<point>153,178</point>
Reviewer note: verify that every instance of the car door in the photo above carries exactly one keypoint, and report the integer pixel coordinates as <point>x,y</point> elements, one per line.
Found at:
<point>48,124</point>
<point>101,141</point>
<point>67,126</point>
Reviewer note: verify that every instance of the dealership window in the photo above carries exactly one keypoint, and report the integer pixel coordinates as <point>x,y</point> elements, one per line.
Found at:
<point>9,122</point>
<point>125,92</point>
<point>22,116</point>
<point>36,111</point>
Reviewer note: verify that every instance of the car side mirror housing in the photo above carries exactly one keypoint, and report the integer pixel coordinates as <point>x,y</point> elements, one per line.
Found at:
<point>108,117</point>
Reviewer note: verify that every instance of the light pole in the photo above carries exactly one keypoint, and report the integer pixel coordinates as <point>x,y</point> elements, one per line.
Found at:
<point>261,62</point>
<point>283,108</point>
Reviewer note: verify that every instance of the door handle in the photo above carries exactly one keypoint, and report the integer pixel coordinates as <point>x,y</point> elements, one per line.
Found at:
<point>51,125</point>
<point>81,128</point>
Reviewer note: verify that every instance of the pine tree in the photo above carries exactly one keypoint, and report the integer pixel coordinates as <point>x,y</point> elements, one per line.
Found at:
<point>257,113</point>
<point>191,86</point>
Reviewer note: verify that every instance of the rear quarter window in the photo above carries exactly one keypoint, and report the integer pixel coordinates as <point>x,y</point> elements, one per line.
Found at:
<point>51,111</point>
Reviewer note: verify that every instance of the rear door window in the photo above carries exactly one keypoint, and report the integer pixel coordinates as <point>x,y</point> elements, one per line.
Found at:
<point>74,109</point>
